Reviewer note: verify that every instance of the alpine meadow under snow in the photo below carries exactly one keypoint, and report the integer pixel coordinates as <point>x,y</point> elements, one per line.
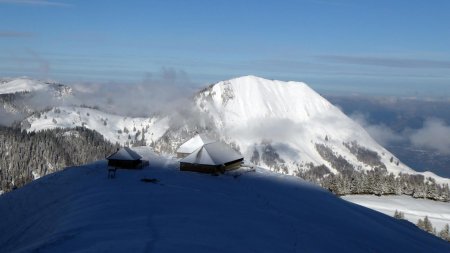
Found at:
<point>80,210</point>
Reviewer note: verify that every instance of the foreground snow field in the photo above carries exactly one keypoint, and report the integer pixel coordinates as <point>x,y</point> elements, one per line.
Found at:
<point>81,210</point>
<point>414,209</point>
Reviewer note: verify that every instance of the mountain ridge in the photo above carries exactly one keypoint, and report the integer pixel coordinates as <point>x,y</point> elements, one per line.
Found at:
<point>218,100</point>
<point>283,126</point>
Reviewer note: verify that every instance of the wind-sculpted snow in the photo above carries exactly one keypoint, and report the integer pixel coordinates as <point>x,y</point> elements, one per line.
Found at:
<point>161,209</point>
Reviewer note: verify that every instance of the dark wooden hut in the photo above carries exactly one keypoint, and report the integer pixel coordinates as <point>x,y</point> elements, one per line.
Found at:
<point>125,158</point>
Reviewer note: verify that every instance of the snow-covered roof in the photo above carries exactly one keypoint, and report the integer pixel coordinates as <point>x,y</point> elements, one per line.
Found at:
<point>125,154</point>
<point>194,143</point>
<point>215,153</point>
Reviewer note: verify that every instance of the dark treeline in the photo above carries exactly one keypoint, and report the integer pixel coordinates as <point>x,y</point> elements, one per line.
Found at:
<point>377,181</point>
<point>351,180</point>
<point>24,154</point>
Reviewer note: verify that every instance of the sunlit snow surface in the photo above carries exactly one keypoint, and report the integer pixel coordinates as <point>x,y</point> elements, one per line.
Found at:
<point>21,85</point>
<point>414,209</point>
<point>114,128</point>
<point>80,210</point>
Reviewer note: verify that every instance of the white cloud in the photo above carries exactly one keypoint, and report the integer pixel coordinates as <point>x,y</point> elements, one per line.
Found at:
<point>379,132</point>
<point>434,135</point>
<point>160,92</point>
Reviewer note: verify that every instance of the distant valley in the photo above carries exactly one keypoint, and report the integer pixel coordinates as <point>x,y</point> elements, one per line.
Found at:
<point>398,117</point>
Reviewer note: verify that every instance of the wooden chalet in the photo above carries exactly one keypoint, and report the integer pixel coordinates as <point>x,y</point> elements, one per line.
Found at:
<point>125,158</point>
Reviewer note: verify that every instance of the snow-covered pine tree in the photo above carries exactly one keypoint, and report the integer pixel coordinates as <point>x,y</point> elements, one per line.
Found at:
<point>427,225</point>
<point>39,153</point>
<point>399,215</point>
<point>420,224</point>
<point>445,233</point>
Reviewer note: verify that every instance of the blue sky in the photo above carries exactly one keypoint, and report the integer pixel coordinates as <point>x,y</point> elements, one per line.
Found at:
<point>384,47</point>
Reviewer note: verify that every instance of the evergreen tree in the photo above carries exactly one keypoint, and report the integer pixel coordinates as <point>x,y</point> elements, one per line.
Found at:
<point>421,224</point>
<point>427,226</point>
<point>351,180</point>
<point>25,155</point>
<point>444,233</point>
<point>399,215</point>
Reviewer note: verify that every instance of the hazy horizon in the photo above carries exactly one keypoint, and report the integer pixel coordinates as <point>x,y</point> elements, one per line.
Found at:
<point>376,48</point>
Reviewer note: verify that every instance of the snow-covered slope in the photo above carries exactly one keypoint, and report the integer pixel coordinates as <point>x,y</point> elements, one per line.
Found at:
<point>114,128</point>
<point>80,210</point>
<point>20,85</point>
<point>414,209</point>
<point>23,95</point>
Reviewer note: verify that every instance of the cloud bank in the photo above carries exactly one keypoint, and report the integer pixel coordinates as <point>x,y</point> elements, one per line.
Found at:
<point>159,92</point>
<point>380,132</point>
<point>434,135</point>
<point>165,92</point>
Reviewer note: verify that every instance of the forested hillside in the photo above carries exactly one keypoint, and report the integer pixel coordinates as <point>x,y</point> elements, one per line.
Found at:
<point>25,156</point>
<point>378,182</point>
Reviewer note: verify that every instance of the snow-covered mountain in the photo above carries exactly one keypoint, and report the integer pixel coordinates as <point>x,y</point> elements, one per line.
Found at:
<point>11,86</point>
<point>115,128</point>
<point>254,112</point>
<point>81,210</point>
<point>23,95</point>
<point>284,126</point>
<point>26,85</point>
